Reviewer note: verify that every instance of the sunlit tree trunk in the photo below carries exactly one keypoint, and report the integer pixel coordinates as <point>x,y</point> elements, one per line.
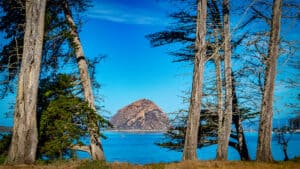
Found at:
<point>25,137</point>
<point>221,133</point>
<point>265,126</point>
<point>191,138</point>
<point>227,117</point>
<point>96,149</point>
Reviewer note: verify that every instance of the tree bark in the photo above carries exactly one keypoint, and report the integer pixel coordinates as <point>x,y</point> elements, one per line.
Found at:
<point>221,133</point>
<point>23,146</point>
<point>191,137</point>
<point>265,126</point>
<point>227,119</point>
<point>81,148</point>
<point>237,121</point>
<point>242,145</point>
<point>96,149</point>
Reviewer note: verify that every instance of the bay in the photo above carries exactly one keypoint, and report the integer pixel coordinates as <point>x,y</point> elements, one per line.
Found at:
<point>140,148</point>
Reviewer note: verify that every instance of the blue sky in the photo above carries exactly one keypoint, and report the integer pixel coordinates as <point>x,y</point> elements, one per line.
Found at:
<point>132,69</point>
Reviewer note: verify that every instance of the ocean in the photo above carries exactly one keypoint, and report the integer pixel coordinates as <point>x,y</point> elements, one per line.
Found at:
<point>140,148</point>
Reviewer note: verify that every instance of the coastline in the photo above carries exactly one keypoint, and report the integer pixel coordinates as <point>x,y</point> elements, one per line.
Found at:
<point>134,131</point>
<point>5,129</point>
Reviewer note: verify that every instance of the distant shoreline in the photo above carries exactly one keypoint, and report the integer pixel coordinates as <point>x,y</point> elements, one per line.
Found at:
<point>136,131</point>
<point>5,129</point>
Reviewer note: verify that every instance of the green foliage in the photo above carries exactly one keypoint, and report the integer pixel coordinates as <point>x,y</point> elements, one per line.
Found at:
<point>208,129</point>
<point>95,164</point>
<point>12,21</point>
<point>62,124</point>
<point>4,145</point>
<point>57,49</point>
<point>2,159</point>
<point>64,117</point>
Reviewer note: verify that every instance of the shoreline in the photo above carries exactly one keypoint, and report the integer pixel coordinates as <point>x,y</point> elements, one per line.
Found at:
<point>5,129</point>
<point>135,131</point>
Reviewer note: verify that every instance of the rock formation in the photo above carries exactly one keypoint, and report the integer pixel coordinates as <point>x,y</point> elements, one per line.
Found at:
<point>140,115</point>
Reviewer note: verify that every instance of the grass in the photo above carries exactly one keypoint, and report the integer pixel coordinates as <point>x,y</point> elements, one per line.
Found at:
<point>84,164</point>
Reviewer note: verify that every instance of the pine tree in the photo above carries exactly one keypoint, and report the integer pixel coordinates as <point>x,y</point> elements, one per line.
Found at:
<point>64,117</point>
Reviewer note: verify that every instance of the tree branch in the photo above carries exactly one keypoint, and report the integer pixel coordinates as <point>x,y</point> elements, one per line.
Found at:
<point>81,148</point>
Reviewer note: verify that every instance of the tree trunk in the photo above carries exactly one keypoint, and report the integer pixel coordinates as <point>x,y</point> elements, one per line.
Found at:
<point>286,157</point>
<point>265,125</point>
<point>227,119</point>
<point>25,137</point>
<point>221,133</point>
<point>191,137</point>
<point>237,121</point>
<point>96,149</point>
<point>242,145</point>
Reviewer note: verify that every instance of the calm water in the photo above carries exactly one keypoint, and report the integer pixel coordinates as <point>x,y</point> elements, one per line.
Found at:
<point>139,148</point>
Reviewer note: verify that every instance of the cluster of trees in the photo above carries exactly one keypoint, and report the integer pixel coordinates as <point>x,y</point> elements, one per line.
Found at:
<point>42,36</point>
<point>219,103</point>
<point>53,111</point>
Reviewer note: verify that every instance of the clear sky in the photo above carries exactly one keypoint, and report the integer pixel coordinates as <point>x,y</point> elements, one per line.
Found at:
<point>132,69</point>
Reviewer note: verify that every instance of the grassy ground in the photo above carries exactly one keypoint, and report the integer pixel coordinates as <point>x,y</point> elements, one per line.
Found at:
<point>182,165</point>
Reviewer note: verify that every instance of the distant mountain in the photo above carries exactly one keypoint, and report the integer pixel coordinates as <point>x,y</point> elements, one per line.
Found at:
<point>140,115</point>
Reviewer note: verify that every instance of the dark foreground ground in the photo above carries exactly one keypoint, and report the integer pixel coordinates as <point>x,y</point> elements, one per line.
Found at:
<point>295,164</point>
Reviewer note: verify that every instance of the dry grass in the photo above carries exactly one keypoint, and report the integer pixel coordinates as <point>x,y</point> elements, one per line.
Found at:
<point>232,165</point>
<point>181,165</point>
<point>56,165</point>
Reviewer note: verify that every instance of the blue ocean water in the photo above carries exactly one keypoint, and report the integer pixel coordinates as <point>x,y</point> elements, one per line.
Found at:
<point>139,148</point>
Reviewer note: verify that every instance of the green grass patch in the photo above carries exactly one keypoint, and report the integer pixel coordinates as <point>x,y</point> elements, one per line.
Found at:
<point>2,159</point>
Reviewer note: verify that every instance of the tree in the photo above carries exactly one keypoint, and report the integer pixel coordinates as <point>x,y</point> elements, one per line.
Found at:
<point>96,149</point>
<point>239,114</point>
<point>208,129</point>
<point>182,31</point>
<point>191,137</point>
<point>226,121</point>
<point>265,125</point>
<point>59,29</point>
<point>283,135</point>
<point>24,140</point>
<point>59,99</point>
<point>13,24</point>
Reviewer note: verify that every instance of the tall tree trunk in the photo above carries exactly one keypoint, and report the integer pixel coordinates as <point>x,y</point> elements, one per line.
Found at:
<point>227,119</point>
<point>221,133</point>
<point>265,126</point>
<point>242,145</point>
<point>25,137</point>
<point>237,121</point>
<point>286,157</point>
<point>191,137</point>
<point>96,149</point>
